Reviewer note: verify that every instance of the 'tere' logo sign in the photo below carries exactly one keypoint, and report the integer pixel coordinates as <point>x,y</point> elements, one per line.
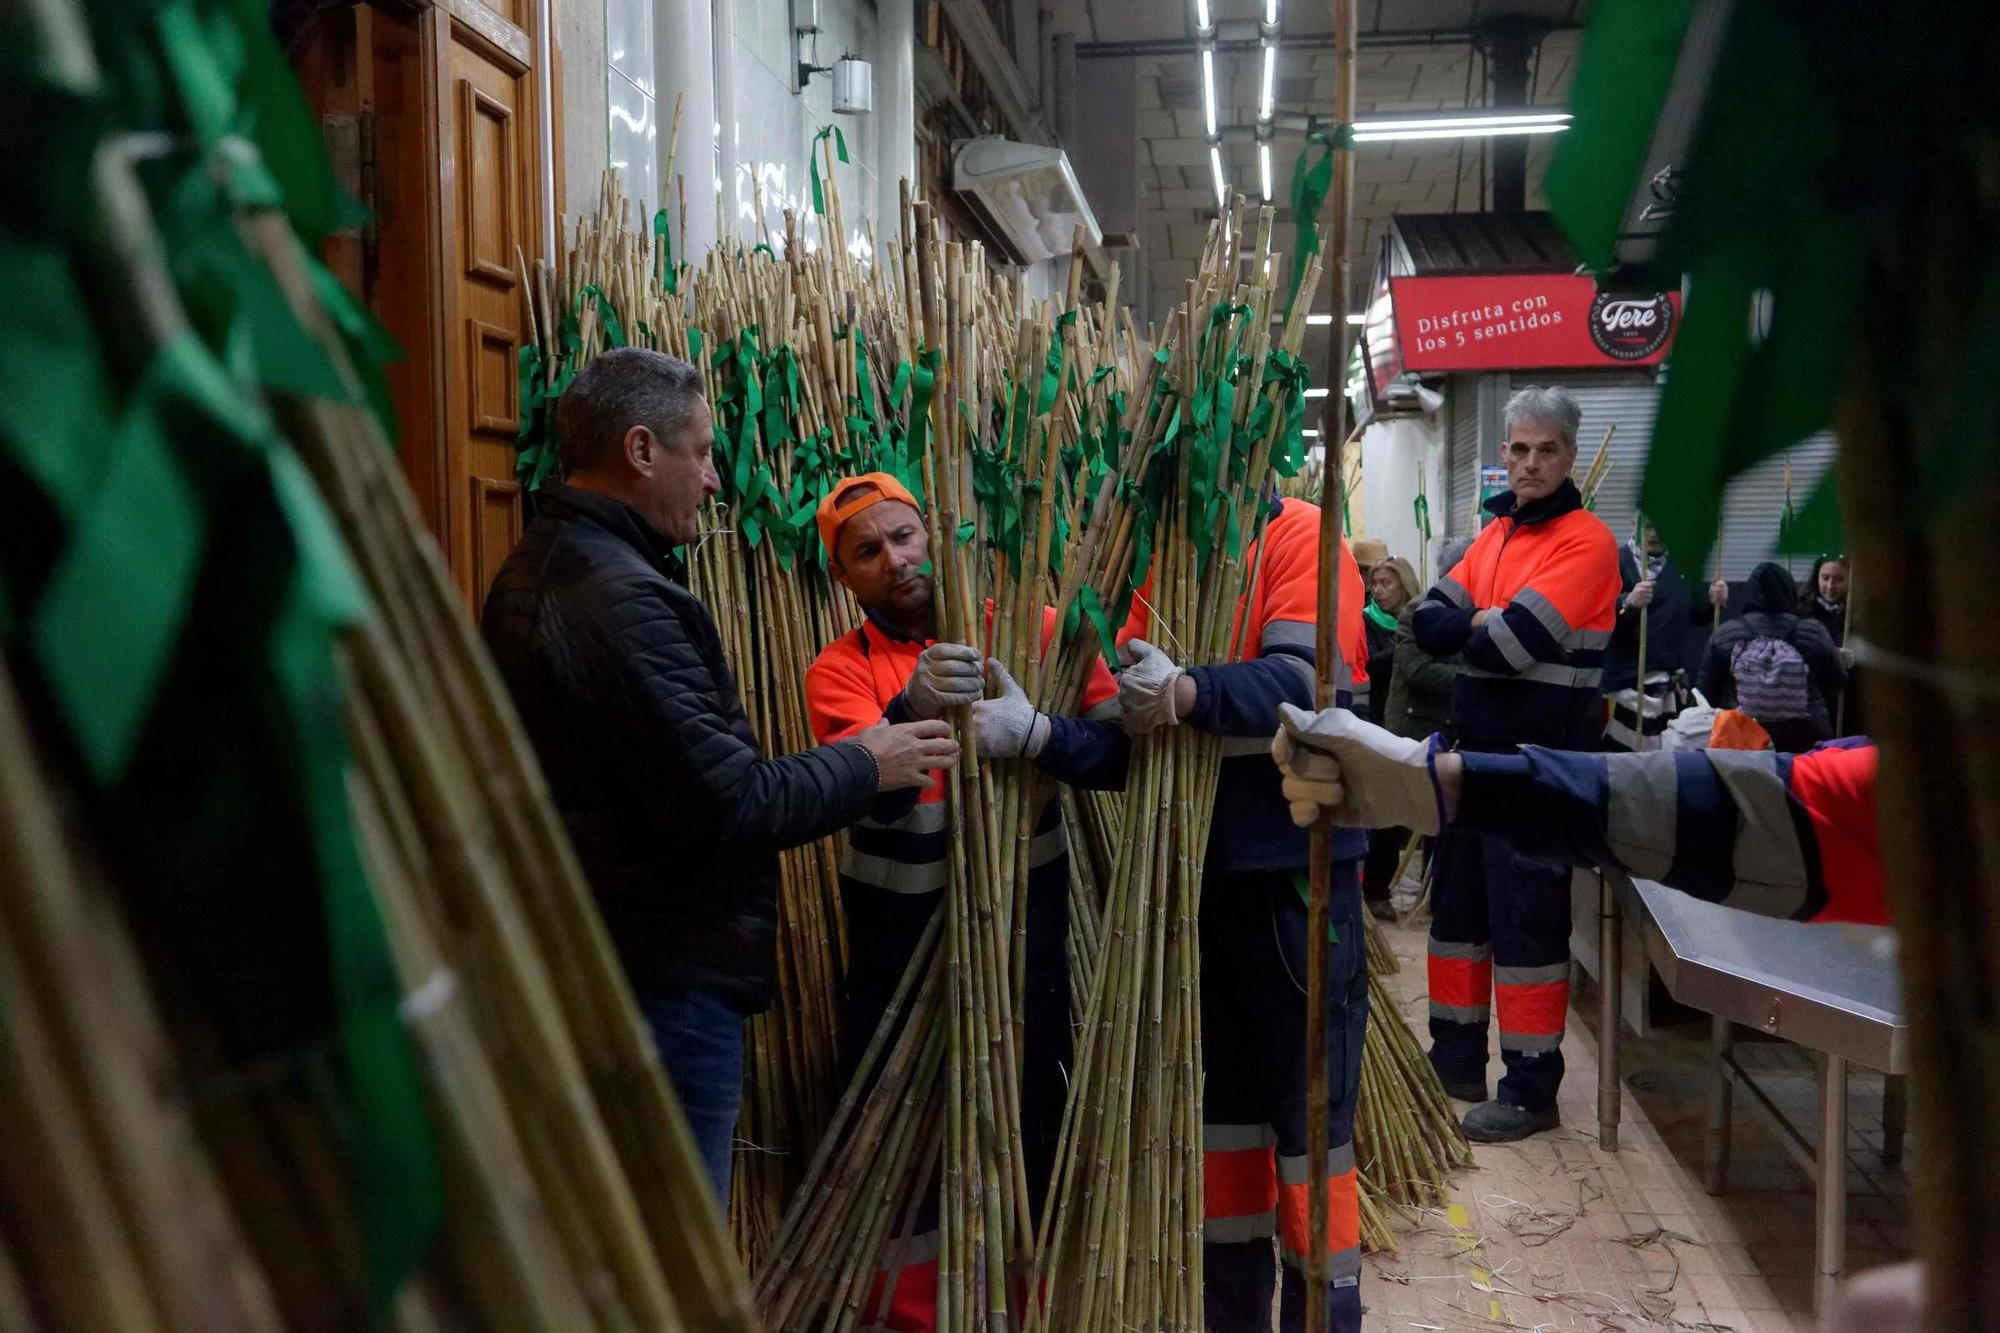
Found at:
<point>1630,328</point>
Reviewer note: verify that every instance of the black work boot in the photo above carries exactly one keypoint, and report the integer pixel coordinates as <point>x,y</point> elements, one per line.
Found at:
<point>1471,1090</point>
<point>1502,1122</point>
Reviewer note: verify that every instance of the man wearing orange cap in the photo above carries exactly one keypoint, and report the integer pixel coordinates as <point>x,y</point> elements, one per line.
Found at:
<point>894,872</point>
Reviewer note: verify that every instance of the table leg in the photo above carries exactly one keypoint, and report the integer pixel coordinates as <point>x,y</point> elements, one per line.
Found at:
<point>1895,1116</point>
<point>1830,1219</point>
<point>1721,1104</point>
<point>1610,944</point>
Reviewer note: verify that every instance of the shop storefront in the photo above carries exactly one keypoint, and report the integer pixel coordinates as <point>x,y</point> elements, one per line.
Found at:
<point>1476,306</point>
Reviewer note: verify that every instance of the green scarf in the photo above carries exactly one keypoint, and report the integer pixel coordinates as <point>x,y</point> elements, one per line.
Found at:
<point>1378,617</point>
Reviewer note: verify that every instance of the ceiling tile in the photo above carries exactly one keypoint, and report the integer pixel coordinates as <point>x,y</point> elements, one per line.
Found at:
<point>1180,153</point>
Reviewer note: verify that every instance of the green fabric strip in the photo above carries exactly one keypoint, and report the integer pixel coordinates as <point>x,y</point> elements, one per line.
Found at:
<point>1627,62</point>
<point>104,639</point>
<point>812,157</point>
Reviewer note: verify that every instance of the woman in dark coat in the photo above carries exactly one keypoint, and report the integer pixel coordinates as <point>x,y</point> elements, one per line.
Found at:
<point>1771,612</point>
<point>1393,590</point>
<point>1824,598</point>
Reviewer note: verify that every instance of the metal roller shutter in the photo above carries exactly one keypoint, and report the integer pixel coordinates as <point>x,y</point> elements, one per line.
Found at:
<point>1628,402</point>
<point>1461,458</point>
<point>1756,501</point>
<point>1753,504</point>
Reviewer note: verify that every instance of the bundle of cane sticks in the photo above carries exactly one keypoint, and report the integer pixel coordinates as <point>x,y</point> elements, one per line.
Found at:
<point>151,1176</point>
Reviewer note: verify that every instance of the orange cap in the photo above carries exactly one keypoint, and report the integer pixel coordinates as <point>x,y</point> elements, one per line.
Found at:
<point>841,503</point>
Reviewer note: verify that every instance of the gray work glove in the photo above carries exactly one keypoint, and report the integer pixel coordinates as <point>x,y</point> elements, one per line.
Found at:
<point>1353,772</point>
<point>1007,725</point>
<point>1146,688</point>
<point>947,676</point>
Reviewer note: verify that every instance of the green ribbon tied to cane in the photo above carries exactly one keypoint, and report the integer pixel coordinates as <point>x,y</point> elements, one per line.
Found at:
<point>670,277</point>
<point>1309,188</point>
<point>812,155</point>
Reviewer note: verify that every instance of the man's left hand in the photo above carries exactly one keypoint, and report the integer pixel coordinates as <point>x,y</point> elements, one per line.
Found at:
<point>1354,773</point>
<point>1149,691</point>
<point>1007,725</point>
<point>1481,616</point>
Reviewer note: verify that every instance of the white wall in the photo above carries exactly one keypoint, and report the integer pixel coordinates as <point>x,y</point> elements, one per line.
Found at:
<point>769,128</point>
<point>1391,452</point>
<point>735,62</point>
<point>632,104</point>
<point>579,36</point>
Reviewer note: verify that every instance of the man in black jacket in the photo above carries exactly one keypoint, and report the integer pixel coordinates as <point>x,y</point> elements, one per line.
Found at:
<point>620,678</point>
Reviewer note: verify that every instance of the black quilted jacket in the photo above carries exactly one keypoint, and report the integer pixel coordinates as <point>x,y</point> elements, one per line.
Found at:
<point>619,676</point>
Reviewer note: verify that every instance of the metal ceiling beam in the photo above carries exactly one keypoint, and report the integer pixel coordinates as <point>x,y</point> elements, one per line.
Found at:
<point>1318,41</point>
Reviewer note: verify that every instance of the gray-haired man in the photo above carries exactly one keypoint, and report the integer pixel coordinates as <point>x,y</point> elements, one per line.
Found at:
<point>619,675</point>
<point>1530,609</point>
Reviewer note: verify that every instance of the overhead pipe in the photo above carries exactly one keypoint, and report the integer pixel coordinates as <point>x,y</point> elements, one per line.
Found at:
<point>1248,42</point>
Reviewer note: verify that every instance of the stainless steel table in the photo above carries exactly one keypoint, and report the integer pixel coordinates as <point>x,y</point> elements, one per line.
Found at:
<point>1833,989</point>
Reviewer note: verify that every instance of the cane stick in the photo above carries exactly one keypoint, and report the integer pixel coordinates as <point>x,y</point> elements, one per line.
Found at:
<point>1327,648</point>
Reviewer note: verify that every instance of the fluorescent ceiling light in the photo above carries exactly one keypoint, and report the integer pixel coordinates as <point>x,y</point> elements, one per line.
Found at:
<point>1479,126</point>
<point>1201,13</point>
<point>1328,319</point>
<point>1270,83</point>
<point>1472,132</point>
<point>1271,12</point>
<point>1447,122</point>
<point>1315,393</point>
<point>1208,87</point>
<point>1215,166</point>
<point>1264,168</point>
<point>1310,434</point>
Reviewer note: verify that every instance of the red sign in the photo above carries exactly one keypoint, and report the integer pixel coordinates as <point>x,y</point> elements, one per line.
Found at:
<point>1528,321</point>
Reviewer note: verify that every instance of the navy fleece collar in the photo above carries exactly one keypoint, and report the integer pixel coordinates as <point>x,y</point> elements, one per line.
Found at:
<point>1562,500</point>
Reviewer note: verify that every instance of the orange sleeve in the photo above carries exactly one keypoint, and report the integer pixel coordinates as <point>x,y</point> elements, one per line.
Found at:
<point>1288,585</point>
<point>840,696</point>
<point>1353,624</point>
<point>1836,785</point>
<point>1138,617</point>
<point>1288,581</point>
<point>1580,578</point>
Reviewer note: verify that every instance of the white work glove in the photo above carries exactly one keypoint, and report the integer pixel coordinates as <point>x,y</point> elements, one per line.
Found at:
<point>1641,595</point>
<point>1355,773</point>
<point>1846,658</point>
<point>947,676</point>
<point>1146,688</point>
<point>1007,726</point>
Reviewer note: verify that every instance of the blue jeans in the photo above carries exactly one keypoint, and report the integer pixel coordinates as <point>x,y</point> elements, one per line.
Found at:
<point>701,1044</point>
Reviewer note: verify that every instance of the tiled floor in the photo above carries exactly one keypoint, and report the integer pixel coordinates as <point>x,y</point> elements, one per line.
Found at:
<point>1554,1234</point>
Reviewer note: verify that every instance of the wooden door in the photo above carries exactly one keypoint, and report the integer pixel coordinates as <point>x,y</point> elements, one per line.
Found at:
<point>431,118</point>
<point>489,200</point>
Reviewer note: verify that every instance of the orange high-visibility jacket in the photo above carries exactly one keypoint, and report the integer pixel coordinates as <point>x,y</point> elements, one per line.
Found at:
<point>1531,671</point>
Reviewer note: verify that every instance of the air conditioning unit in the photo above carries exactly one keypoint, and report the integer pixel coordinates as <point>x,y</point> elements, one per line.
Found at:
<point>1025,194</point>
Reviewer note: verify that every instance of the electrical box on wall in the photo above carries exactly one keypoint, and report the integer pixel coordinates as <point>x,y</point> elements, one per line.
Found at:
<point>853,86</point>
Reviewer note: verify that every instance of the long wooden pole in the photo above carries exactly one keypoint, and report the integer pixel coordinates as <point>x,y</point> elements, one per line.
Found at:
<point>1326,654</point>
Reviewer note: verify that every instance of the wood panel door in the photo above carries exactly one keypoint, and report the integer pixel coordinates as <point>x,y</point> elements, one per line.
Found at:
<point>431,118</point>
<point>490,184</point>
